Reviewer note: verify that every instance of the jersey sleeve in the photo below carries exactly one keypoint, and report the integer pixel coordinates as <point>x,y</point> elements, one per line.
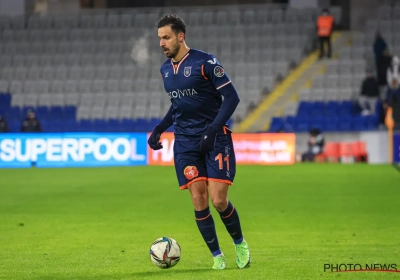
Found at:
<point>212,70</point>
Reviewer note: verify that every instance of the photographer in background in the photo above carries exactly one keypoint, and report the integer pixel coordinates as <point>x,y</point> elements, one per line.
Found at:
<point>316,144</point>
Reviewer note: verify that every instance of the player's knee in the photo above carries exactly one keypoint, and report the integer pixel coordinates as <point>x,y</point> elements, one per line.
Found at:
<point>200,201</point>
<point>220,203</point>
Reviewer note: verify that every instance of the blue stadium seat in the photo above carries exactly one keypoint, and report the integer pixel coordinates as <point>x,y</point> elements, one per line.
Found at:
<point>301,124</point>
<point>345,123</point>
<point>127,125</point>
<point>360,123</point>
<point>317,123</point>
<point>70,112</point>
<point>14,126</point>
<point>70,125</point>
<point>331,109</point>
<point>99,125</point>
<point>317,109</point>
<point>372,122</point>
<point>5,101</point>
<point>45,125</point>
<point>85,126</point>
<point>42,113</point>
<point>14,114</point>
<point>304,109</point>
<point>331,124</point>
<point>53,125</point>
<point>56,113</point>
<point>276,124</point>
<point>290,120</point>
<point>113,125</point>
<point>141,125</point>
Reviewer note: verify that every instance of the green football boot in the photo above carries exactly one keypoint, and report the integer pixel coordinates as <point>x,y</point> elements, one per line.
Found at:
<point>219,262</point>
<point>242,255</point>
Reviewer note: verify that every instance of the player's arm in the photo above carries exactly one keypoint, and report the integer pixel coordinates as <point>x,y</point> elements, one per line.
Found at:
<point>213,71</point>
<point>155,136</point>
<point>221,81</point>
<point>167,121</point>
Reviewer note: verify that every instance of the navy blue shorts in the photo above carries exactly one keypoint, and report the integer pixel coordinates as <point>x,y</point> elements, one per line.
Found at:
<point>218,166</point>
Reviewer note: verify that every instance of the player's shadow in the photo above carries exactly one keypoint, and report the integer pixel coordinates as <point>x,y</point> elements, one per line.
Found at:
<point>157,274</point>
<point>171,273</point>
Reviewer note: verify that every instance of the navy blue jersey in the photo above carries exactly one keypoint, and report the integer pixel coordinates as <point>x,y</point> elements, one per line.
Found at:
<point>192,86</point>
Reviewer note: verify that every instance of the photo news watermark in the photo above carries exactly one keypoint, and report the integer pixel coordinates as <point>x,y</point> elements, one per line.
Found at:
<point>357,267</point>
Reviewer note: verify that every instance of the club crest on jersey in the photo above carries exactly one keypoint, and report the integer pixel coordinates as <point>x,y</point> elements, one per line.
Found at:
<point>187,71</point>
<point>219,71</point>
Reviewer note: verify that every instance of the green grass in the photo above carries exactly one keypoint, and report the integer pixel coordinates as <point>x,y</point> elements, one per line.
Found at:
<point>99,223</point>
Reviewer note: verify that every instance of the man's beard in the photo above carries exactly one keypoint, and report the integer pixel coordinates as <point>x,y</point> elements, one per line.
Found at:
<point>174,51</point>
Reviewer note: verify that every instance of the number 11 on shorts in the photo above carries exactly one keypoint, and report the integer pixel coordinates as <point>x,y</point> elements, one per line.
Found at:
<point>221,161</point>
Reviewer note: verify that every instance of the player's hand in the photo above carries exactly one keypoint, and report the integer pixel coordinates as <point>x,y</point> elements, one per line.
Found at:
<point>154,139</point>
<point>207,142</point>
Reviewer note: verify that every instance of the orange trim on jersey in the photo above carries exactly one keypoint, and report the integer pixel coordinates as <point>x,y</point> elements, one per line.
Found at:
<point>220,181</point>
<point>225,128</point>
<point>202,72</point>
<point>200,219</point>
<point>194,180</point>
<point>176,67</point>
<point>233,209</point>
<point>223,85</point>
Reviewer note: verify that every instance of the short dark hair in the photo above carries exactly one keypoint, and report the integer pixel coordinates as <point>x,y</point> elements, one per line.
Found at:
<point>177,23</point>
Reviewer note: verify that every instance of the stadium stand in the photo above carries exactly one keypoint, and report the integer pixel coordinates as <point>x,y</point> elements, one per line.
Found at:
<point>330,104</point>
<point>79,73</point>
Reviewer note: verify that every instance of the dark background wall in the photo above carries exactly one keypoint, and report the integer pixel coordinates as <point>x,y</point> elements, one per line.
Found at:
<point>154,3</point>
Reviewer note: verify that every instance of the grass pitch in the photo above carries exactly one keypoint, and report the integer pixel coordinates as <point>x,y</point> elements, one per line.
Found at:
<point>99,223</point>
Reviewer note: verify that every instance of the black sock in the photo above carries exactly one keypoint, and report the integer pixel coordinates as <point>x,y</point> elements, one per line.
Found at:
<point>230,218</point>
<point>206,225</point>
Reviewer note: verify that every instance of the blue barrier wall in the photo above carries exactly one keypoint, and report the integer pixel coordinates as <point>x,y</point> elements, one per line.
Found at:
<point>72,149</point>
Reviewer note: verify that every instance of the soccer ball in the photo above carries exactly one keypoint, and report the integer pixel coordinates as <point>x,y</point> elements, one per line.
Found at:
<point>165,252</point>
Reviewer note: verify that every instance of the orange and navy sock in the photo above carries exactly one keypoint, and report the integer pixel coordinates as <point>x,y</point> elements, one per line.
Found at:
<point>230,218</point>
<point>206,225</point>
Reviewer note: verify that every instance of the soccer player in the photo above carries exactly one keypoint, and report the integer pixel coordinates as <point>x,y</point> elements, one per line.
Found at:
<point>203,151</point>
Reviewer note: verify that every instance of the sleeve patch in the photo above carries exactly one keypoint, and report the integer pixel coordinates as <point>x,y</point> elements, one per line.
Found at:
<point>219,71</point>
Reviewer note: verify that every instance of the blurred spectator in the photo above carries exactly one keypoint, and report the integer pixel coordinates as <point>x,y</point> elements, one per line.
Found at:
<point>316,144</point>
<point>251,107</point>
<point>393,92</point>
<point>393,72</point>
<point>325,24</point>
<point>369,94</point>
<point>31,123</point>
<point>379,47</point>
<point>383,65</point>
<point>3,125</point>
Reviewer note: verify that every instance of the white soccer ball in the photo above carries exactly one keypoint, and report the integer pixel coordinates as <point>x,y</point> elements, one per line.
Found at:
<point>165,252</point>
